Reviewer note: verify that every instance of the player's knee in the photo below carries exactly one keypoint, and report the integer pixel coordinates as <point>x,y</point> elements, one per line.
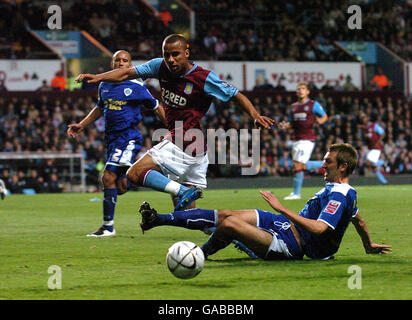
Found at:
<point>223,214</point>
<point>297,166</point>
<point>230,225</point>
<point>108,179</point>
<point>132,175</point>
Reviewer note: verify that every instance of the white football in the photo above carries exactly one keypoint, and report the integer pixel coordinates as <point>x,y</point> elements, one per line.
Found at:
<point>185,259</point>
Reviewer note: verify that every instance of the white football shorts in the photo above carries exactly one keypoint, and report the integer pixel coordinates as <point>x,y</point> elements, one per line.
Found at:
<point>373,155</point>
<point>302,150</point>
<point>178,165</point>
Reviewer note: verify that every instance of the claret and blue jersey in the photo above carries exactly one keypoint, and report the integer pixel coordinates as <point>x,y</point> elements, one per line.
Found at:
<point>334,205</point>
<point>302,118</point>
<point>187,97</point>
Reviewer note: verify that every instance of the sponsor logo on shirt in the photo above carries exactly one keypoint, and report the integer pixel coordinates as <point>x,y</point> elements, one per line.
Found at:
<point>114,104</point>
<point>332,206</point>
<point>299,116</point>
<point>172,99</point>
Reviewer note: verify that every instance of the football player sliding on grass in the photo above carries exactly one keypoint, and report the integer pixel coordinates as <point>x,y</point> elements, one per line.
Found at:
<point>316,231</point>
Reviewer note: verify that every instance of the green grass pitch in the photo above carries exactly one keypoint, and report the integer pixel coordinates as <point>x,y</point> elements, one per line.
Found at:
<point>49,230</point>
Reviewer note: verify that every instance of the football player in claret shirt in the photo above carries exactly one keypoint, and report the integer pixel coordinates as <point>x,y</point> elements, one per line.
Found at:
<point>187,91</point>
<point>120,105</point>
<point>316,231</point>
<point>304,114</point>
<point>372,134</point>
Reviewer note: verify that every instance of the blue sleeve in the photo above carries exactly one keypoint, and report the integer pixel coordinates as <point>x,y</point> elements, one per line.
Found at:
<point>143,95</point>
<point>318,110</point>
<point>378,129</point>
<point>100,103</point>
<point>149,69</point>
<point>332,212</point>
<point>218,88</point>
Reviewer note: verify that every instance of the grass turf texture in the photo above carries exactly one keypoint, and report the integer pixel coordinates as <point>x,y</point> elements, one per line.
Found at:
<point>43,230</point>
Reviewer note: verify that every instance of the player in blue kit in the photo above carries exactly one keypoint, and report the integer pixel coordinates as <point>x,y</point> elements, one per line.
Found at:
<point>120,105</point>
<point>316,231</point>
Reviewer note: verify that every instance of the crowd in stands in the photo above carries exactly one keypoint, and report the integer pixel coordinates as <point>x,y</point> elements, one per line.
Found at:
<point>297,30</point>
<point>125,24</point>
<point>41,124</point>
<point>260,30</point>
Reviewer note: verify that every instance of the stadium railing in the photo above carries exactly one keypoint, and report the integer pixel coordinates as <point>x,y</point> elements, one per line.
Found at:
<point>16,157</point>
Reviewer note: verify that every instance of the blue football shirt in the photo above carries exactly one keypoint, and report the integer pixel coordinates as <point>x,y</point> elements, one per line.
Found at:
<point>335,205</point>
<point>121,105</point>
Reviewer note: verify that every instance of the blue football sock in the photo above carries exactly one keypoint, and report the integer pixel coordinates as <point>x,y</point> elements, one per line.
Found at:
<point>298,182</point>
<point>380,176</point>
<point>109,204</point>
<point>159,182</point>
<point>379,163</point>
<point>195,219</point>
<point>313,165</point>
<point>213,244</point>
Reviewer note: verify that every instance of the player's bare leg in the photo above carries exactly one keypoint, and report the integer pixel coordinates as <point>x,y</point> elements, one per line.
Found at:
<point>238,225</point>
<point>121,185</point>
<point>377,169</point>
<point>139,167</point>
<point>298,171</point>
<point>248,216</point>
<point>147,173</point>
<point>108,179</point>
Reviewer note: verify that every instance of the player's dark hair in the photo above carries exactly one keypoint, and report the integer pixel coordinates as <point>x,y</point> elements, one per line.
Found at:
<point>346,153</point>
<point>177,37</point>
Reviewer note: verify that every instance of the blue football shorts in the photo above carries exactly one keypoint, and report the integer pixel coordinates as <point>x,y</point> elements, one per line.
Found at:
<point>284,244</point>
<point>121,152</point>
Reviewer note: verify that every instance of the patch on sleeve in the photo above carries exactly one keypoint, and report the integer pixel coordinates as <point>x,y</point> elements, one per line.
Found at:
<point>332,206</point>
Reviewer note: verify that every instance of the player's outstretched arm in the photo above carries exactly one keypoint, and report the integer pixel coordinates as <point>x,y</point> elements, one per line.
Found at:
<point>259,120</point>
<point>313,226</point>
<point>362,230</point>
<point>116,75</point>
<point>75,128</point>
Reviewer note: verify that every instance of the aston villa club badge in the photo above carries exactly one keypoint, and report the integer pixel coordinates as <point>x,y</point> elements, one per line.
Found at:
<point>188,88</point>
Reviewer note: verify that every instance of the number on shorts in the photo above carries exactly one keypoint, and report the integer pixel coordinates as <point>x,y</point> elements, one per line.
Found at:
<point>116,155</point>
